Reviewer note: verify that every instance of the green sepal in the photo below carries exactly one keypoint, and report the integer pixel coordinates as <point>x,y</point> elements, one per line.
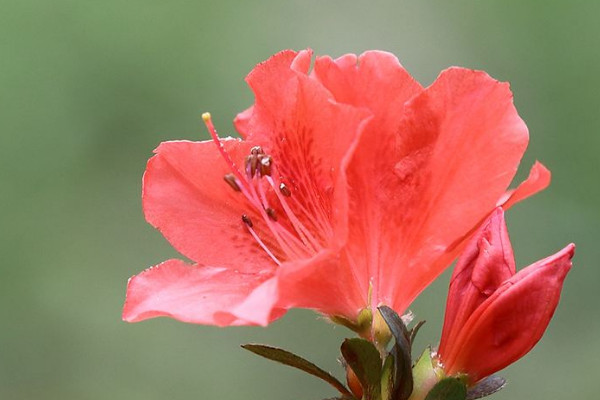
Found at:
<point>448,389</point>
<point>362,324</point>
<point>293,360</point>
<point>486,387</point>
<point>422,368</point>
<point>403,380</point>
<point>336,319</point>
<point>363,357</point>
<point>426,373</point>
<point>387,378</point>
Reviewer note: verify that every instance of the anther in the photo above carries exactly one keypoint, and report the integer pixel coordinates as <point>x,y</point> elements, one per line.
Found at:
<point>265,165</point>
<point>256,150</point>
<point>271,213</point>
<point>230,179</point>
<point>246,219</point>
<point>284,190</point>
<point>251,165</point>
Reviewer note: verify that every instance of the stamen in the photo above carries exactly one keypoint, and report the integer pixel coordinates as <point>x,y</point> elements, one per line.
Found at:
<point>258,240</point>
<point>247,220</point>
<point>213,134</point>
<point>271,213</point>
<point>284,190</point>
<point>317,215</point>
<point>256,150</point>
<point>277,230</point>
<point>290,243</point>
<point>294,240</point>
<point>251,165</point>
<point>265,165</point>
<point>231,181</point>
<point>307,238</point>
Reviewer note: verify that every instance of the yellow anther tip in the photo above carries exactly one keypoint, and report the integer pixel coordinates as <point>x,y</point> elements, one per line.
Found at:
<point>206,116</point>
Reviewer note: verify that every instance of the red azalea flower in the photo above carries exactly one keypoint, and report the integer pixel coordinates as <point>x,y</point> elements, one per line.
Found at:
<point>352,187</point>
<point>494,316</point>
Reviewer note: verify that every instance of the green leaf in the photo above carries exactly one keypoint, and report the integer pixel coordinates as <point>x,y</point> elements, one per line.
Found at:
<point>363,357</point>
<point>387,378</point>
<point>291,359</point>
<point>489,385</point>
<point>403,381</point>
<point>448,389</point>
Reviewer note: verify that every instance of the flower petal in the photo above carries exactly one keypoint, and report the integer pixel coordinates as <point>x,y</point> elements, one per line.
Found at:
<point>375,80</point>
<point>308,135</point>
<point>510,322</point>
<point>242,120</point>
<point>185,197</point>
<point>485,264</point>
<point>538,180</point>
<point>321,283</point>
<point>378,82</point>
<point>194,294</point>
<point>324,283</point>
<point>459,148</point>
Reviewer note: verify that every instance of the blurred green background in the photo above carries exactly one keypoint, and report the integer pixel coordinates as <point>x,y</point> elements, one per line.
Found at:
<point>89,88</point>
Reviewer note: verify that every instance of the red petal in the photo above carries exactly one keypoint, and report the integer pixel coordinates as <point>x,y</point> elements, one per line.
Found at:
<point>322,283</point>
<point>260,307</point>
<point>272,75</point>
<point>510,322</point>
<point>242,121</point>
<point>538,180</point>
<point>185,197</point>
<point>485,264</point>
<point>457,151</point>
<point>195,294</point>
<point>308,135</point>
<point>376,81</point>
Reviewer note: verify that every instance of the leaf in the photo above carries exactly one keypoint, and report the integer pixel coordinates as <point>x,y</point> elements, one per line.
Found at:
<point>403,381</point>
<point>489,385</point>
<point>448,389</point>
<point>363,357</point>
<point>292,360</point>
<point>387,378</point>
<point>395,324</point>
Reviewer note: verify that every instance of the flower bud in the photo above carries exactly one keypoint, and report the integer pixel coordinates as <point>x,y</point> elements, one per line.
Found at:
<point>494,316</point>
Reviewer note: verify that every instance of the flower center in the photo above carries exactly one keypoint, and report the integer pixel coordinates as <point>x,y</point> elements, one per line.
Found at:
<point>278,231</point>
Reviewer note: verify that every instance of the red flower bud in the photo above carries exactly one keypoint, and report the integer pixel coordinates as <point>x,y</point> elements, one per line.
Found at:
<point>494,316</point>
